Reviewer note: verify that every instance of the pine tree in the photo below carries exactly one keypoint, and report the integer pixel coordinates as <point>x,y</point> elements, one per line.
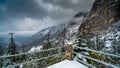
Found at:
<point>12,46</point>
<point>64,35</point>
<point>23,48</point>
<point>11,51</point>
<point>81,42</point>
<point>47,44</point>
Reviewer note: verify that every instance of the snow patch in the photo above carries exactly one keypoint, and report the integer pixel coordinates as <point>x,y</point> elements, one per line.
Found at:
<point>68,64</point>
<point>33,49</point>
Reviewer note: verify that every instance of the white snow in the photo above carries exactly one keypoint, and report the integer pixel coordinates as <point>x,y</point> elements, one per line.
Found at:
<point>33,49</point>
<point>21,66</point>
<point>68,42</point>
<point>118,35</point>
<point>108,44</point>
<point>68,64</point>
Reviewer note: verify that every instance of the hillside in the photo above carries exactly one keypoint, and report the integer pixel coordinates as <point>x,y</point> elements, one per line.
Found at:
<point>56,33</point>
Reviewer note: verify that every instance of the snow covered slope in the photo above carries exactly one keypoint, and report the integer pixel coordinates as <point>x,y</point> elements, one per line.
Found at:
<point>56,32</point>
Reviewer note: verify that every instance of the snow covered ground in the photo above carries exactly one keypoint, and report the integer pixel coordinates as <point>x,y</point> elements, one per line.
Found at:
<point>67,64</point>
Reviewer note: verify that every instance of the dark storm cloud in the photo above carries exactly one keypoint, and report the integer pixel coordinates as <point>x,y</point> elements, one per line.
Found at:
<point>71,4</point>
<point>21,8</point>
<point>27,15</point>
<point>29,8</point>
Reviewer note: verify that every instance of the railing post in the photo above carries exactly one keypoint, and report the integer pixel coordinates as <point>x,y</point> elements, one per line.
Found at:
<point>69,52</point>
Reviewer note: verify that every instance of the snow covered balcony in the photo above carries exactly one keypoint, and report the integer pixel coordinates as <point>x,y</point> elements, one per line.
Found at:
<point>68,64</point>
<point>79,60</point>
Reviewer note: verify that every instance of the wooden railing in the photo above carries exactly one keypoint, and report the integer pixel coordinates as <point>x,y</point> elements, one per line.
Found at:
<point>48,54</point>
<point>68,53</point>
<point>100,61</point>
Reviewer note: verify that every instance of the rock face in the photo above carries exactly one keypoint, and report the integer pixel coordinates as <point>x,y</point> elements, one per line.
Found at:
<point>102,16</point>
<point>101,30</point>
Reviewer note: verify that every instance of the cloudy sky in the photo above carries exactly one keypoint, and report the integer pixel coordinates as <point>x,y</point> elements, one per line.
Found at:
<point>25,17</point>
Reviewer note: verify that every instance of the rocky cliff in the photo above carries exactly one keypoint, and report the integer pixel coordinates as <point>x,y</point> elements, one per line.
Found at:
<point>102,16</point>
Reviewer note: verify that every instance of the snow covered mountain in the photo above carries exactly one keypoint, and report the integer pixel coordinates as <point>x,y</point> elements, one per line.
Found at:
<point>103,19</point>
<point>56,32</point>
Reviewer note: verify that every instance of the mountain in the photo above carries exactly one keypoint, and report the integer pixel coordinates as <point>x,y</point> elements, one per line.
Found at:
<point>100,31</point>
<point>103,20</point>
<point>102,17</point>
<point>56,33</point>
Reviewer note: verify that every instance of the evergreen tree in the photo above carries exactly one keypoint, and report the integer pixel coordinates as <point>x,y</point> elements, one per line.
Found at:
<point>64,35</point>
<point>12,46</point>
<point>11,51</point>
<point>81,42</point>
<point>47,44</point>
<point>23,48</point>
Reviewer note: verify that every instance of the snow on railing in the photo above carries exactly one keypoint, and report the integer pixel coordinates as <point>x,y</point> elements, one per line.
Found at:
<point>6,56</point>
<point>107,64</point>
<point>85,63</point>
<point>35,60</point>
<point>100,52</point>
